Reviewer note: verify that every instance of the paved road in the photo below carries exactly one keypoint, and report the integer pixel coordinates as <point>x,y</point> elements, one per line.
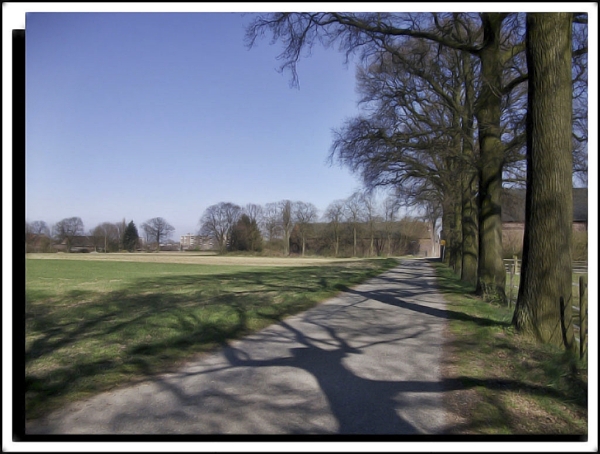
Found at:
<point>365,362</point>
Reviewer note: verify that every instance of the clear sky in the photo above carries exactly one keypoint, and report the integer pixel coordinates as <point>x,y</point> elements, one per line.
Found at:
<point>140,115</point>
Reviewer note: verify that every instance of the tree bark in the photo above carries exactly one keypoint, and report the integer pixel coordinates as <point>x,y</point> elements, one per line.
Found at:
<point>447,230</point>
<point>470,181</point>
<point>492,277</point>
<point>457,255</point>
<point>470,233</point>
<point>545,292</point>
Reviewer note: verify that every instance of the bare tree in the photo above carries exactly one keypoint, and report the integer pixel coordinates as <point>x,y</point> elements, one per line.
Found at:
<point>157,229</point>
<point>107,235</point>
<point>254,213</point>
<point>390,211</point>
<point>271,221</point>
<point>480,35</point>
<point>354,215</point>
<point>334,214</point>
<point>304,214</point>
<point>121,227</point>
<point>580,99</point>
<point>67,229</point>
<point>39,228</point>
<point>415,136</point>
<point>37,236</point>
<point>370,215</point>
<point>218,220</point>
<point>287,223</point>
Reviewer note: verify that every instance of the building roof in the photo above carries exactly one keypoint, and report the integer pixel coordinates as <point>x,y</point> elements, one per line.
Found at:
<point>513,205</point>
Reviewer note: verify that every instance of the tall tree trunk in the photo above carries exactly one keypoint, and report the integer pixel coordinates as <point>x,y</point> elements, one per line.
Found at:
<point>544,302</point>
<point>457,255</point>
<point>447,230</point>
<point>491,273</point>
<point>470,181</point>
<point>470,232</point>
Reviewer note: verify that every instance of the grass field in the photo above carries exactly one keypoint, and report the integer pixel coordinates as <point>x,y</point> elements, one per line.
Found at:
<point>504,382</point>
<point>194,258</point>
<point>96,321</point>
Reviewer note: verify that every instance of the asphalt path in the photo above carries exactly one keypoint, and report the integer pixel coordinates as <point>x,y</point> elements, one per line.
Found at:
<point>364,362</point>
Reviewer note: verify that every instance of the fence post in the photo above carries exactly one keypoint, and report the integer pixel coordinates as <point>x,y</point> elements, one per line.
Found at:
<point>516,260</point>
<point>510,285</point>
<point>583,322</point>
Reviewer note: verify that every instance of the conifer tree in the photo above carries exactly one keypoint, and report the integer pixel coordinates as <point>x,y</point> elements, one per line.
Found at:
<point>130,237</point>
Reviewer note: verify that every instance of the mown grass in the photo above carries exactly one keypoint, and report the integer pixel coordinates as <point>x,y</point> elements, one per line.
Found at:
<point>503,382</point>
<point>93,325</point>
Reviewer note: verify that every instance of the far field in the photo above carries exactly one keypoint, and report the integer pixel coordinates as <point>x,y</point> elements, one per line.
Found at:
<point>195,258</point>
<point>97,321</point>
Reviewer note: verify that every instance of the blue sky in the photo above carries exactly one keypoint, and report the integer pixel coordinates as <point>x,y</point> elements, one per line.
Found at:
<point>139,115</point>
<point>163,114</point>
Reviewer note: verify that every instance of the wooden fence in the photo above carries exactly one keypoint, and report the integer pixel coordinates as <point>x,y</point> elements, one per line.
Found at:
<point>579,267</point>
<point>580,311</point>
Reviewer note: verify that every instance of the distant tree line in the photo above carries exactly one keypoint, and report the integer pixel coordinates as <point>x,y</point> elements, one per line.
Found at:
<point>355,226</point>
<point>351,227</point>
<point>105,237</point>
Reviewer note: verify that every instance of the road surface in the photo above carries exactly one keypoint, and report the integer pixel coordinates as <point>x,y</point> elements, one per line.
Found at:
<point>364,362</point>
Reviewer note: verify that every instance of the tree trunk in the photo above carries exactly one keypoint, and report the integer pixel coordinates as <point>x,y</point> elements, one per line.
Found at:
<point>448,231</point>
<point>469,229</point>
<point>354,241</point>
<point>545,292</point>
<point>457,254</point>
<point>492,276</point>
<point>470,181</point>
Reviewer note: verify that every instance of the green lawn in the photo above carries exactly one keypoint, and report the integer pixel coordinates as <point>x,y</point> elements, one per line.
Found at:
<point>93,325</point>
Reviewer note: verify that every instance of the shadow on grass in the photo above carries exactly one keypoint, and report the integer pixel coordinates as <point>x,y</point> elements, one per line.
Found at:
<point>551,398</point>
<point>359,404</point>
<point>92,341</point>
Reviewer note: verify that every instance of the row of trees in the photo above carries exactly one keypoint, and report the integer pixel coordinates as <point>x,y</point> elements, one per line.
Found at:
<point>455,105</point>
<point>293,224</point>
<point>106,236</point>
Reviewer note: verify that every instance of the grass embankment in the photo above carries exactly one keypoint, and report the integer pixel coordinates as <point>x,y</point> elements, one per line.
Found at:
<point>502,382</point>
<point>92,325</point>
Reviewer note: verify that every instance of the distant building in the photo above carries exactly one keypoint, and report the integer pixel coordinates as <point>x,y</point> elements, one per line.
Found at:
<point>79,243</point>
<point>191,242</point>
<point>428,243</point>
<point>513,209</point>
<point>513,214</point>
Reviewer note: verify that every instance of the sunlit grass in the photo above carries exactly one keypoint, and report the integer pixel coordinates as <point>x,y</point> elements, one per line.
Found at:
<point>93,325</point>
<point>507,383</point>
